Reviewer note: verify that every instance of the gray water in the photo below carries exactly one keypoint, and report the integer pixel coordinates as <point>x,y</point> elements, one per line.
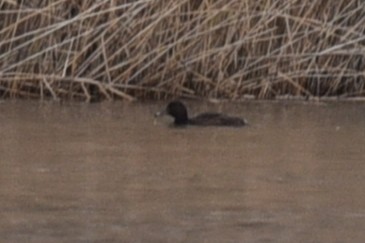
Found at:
<point>111,172</point>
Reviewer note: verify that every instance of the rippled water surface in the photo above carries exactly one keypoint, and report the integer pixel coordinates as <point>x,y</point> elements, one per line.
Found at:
<point>110,172</point>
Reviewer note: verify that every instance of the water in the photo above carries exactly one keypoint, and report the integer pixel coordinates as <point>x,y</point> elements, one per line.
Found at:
<point>110,172</point>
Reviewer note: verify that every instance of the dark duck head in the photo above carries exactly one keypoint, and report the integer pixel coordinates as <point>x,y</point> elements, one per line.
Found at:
<point>178,111</point>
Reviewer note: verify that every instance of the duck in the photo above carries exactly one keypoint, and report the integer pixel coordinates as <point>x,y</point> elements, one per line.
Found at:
<point>179,112</point>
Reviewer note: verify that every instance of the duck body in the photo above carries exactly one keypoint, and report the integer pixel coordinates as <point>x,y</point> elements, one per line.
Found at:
<point>216,119</point>
<point>178,111</point>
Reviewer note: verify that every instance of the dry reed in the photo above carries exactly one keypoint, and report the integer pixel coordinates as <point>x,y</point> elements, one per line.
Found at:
<point>83,49</point>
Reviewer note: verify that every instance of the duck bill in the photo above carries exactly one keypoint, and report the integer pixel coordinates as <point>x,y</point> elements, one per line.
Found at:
<point>160,113</point>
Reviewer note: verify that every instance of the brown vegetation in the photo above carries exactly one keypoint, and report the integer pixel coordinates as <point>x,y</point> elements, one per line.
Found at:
<point>84,49</point>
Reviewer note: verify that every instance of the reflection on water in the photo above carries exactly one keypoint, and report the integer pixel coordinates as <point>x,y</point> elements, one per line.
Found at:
<point>111,173</point>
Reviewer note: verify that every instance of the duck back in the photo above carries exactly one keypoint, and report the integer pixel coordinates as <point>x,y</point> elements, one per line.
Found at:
<point>216,119</point>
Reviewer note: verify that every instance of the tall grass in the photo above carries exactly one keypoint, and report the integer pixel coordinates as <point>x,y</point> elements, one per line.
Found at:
<point>133,49</point>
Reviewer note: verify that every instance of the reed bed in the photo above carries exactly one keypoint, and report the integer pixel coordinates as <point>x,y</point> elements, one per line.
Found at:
<point>154,49</point>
